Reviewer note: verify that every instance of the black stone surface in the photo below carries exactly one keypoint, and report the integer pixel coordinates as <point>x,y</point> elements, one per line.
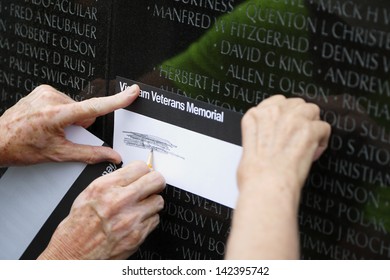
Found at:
<point>61,43</point>
<point>234,54</point>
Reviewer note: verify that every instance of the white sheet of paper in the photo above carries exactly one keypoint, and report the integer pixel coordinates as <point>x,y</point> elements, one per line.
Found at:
<point>28,195</point>
<point>196,163</point>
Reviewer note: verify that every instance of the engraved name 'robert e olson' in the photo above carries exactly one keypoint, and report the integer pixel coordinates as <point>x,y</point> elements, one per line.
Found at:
<point>52,42</point>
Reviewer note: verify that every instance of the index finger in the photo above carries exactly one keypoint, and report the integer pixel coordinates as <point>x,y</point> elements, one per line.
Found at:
<point>96,107</point>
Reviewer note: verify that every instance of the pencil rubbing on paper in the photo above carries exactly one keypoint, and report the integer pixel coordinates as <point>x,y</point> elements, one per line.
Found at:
<point>145,141</point>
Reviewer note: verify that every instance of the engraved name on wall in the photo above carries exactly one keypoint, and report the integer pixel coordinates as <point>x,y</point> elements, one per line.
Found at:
<point>333,53</point>
<point>60,42</point>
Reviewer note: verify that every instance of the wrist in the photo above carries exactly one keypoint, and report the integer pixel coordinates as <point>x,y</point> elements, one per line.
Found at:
<point>55,252</point>
<point>264,223</point>
<point>61,246</point>
<point>268,184</point>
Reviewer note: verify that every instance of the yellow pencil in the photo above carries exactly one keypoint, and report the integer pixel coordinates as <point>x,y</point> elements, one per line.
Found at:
<point>150,159</point>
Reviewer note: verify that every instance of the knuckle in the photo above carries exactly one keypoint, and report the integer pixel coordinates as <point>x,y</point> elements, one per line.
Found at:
<point>93,106</point>
<point>251,113</point>
<point>328,128</point>
<point>296,99</point>
<point>156,221</point>
<point>275,110</point>
<point>157,178</point>
<point>139,167</point>
<point>153,223</point>
<point>160,202</point>
<point>96,189</point>
<point>44,88</point>
<point>281,96</point>
<point>46,91</point>
<point>137,236</point>
<point>91,158</point>
<point>316,109</point>
<point>249,117</point>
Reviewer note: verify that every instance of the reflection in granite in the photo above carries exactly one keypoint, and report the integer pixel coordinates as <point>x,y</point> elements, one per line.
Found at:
<point>191,228</point>
<point>232,54</point>
<point>63,44</point>
<point>333,53</point>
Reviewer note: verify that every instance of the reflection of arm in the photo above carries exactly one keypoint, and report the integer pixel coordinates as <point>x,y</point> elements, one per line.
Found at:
<point>229,41</point>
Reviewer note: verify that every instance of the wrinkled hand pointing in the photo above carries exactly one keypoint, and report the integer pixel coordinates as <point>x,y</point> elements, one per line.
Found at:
<point>33,129</point>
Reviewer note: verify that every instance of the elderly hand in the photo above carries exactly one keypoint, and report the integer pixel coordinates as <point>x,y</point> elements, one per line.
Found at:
<point>281,138</point>
<point>111,217</point>
<point>33,129</point>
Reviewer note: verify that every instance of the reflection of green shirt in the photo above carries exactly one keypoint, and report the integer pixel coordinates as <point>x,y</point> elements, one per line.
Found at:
<point>242,49</point>
<point>270,38</point>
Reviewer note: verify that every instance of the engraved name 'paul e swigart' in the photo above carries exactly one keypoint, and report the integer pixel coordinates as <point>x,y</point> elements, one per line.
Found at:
<point>188,106</point>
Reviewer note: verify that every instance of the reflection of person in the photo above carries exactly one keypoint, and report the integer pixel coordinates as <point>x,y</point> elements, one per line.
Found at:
<point>248,54</point>
<point>281,138</point>
<point>116,212</point>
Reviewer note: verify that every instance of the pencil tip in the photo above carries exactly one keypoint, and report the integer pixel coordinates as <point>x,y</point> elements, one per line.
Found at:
<point>150,159</point>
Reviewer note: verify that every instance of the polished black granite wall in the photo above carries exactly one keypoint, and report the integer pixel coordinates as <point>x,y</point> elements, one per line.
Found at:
<point>233,54</point>
<point>62,43</point>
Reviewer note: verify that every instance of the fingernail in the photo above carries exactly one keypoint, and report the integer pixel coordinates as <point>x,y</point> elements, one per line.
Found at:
<point>133,90</point>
